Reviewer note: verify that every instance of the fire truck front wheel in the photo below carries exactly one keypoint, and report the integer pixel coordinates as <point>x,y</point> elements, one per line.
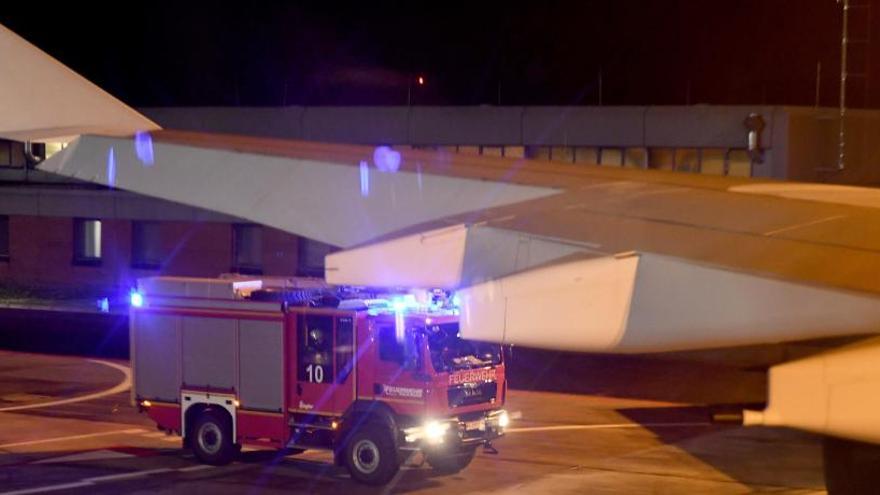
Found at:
<point>370,454</point>
<point>211,440</point>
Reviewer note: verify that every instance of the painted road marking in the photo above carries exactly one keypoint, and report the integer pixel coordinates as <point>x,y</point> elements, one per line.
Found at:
<point>72,437</point>
<point>197,467</point>
<point>126,476</point>
<point>804,224</point>
<point>603,426</point>
<point>91,481</point>
<point>50,488</point>
<point>122,386</point>
<point>161,435</point>
<point>93,455</point>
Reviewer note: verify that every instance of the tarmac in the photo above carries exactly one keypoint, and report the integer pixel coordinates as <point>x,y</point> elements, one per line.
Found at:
<point>66,426</point>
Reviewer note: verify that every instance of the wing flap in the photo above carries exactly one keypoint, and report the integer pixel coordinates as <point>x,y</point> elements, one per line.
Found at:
<point>651,303</point>
<point>448,257</point>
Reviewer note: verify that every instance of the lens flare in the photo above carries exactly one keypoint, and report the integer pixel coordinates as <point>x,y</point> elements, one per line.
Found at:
<point>365,179</point>
<point>143,147</point>
<point>386,159</point>
<point>111,168</point>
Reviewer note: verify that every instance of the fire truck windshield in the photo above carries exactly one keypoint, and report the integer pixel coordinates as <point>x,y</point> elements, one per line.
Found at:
<point>450,352</point>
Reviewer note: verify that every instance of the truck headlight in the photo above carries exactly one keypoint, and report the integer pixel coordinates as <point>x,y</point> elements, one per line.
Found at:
<point>434,431</point>
<point>503,419</point>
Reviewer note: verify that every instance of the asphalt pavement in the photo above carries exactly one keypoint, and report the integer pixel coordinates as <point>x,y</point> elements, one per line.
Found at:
<point>64,429</point>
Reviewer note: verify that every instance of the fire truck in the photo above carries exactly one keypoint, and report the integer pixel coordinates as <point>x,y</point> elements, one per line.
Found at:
<point>291,365</point>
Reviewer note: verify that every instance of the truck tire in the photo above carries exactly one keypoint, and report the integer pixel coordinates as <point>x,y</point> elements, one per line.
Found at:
<point>211,439</point>
<point>451,463</point>
<point>370,454</point>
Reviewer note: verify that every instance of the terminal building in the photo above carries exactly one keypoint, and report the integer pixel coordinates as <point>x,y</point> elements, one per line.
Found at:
<point>81,238</point>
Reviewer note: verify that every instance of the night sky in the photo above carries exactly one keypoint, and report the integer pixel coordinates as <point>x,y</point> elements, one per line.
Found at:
<point>647,51</point>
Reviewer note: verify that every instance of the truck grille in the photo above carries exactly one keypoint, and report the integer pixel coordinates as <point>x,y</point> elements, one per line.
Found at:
<point>472,393</point>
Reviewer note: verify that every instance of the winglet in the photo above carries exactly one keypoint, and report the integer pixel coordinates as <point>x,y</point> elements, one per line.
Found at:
<point>43,100</point>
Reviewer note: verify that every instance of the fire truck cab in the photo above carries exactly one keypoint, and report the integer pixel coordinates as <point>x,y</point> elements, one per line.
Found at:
<point>228,362</point>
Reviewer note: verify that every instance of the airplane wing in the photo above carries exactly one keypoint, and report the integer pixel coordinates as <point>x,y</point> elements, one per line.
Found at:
<point>640,261</point>
<point>544,254</point>
<point>548,255</point>
<point>42,100</point>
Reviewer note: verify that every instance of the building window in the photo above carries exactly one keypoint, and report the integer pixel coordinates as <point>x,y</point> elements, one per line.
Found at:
<point>5,153</point>
<point>739,163</point>
<point>86,241</point>
<point>635,157</point>
<point>712,161</point>
<point>310,257</point>
<point>661,158</point>
<point>424,147</point>
<point>687,160</point>
<point>515,151</point>
<point>492,150</point>
<point>611,156</point>
<point>4,238</point>
<point>586,154</point>
<point>146,245</point>
<point>12,154</point>
<point>18,158</point>
<point>247,249</point>
<point>562,154</point>
<point>50,149</point>
<point>538,152</point>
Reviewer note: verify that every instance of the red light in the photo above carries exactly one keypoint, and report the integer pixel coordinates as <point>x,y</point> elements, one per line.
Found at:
<point>421,81</point>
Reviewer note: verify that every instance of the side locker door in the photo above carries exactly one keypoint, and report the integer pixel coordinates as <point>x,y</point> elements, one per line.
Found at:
<point>346,371</point>
<point>314,372</point>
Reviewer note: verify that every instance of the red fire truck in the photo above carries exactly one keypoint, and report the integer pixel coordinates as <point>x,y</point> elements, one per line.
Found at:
<point>228,362</point>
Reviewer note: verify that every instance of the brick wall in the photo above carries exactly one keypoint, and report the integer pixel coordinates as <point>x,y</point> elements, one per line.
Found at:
<point>41,252</point>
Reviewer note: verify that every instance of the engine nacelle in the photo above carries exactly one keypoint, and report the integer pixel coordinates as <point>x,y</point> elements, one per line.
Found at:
<point>833,393</point>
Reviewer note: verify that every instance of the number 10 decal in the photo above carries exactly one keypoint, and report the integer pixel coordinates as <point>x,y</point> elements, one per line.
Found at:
<point>316,373</point>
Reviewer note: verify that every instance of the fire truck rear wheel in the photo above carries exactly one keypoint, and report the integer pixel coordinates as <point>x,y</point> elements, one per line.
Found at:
<point>451,463</point>
<point>211,440</point>
<point>370,454</point>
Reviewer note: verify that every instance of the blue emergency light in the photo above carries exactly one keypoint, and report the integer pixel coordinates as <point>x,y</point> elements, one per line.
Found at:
<point>136,299</point>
